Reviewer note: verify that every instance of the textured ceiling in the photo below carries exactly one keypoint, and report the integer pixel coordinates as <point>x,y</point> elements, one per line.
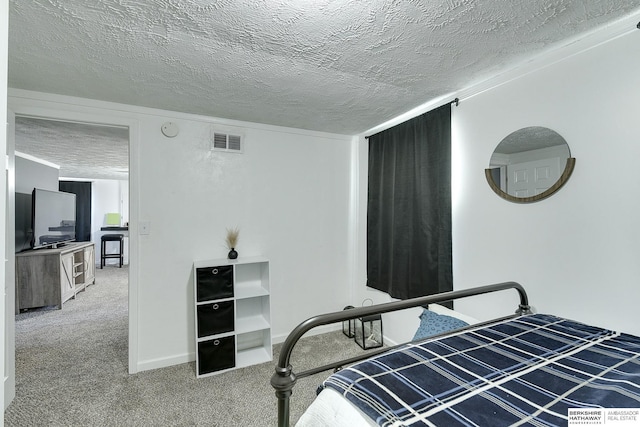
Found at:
<point>530,138</point>
<point>341,66</point>
<point>81,150</point>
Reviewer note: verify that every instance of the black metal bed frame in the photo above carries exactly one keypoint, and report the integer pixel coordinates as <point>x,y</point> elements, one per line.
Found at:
<point>284,378</point>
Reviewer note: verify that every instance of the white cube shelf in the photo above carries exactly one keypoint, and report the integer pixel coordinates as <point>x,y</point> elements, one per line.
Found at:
<point>232,314</point>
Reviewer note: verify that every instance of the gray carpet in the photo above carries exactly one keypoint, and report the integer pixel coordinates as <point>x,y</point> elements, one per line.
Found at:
<point>71,370</point>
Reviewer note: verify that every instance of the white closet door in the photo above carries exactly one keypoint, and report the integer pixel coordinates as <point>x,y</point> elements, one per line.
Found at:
<point>531,178</point>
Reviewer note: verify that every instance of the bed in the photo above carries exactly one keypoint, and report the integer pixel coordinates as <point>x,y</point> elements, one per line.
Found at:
<point>525,369</point>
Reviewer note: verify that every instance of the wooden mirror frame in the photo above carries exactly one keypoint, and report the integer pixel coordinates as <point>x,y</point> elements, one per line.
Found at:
<point>568,170</point>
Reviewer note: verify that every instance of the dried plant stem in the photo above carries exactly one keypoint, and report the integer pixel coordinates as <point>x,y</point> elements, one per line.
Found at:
<point>232,237</point>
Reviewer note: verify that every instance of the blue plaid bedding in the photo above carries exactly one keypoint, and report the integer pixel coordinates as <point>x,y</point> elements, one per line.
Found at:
<point>525,371</point>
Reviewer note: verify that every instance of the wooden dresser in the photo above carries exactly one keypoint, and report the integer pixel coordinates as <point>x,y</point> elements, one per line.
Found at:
<point>47,277</point>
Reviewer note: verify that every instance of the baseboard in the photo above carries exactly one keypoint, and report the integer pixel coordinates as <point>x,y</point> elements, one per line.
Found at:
<point>278,339</point>
<point>389,342</point>
<point>165,362</point>
<point>148,365</point>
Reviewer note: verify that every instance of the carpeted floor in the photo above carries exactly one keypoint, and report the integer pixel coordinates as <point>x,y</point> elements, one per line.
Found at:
<point>71,370</point>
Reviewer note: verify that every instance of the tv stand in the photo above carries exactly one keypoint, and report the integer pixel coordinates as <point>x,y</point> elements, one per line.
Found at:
<point>47,277</point>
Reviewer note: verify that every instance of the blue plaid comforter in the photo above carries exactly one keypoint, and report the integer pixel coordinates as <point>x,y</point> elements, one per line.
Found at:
<point>525,371</point>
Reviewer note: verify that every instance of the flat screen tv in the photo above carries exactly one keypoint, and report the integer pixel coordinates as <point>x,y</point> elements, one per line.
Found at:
<point>53,218</point>
<point>24,229</point>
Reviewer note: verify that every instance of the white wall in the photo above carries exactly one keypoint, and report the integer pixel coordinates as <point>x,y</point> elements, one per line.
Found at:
<point>107,197</point>
<point>576,252</point>
<point>30,174</point>
<point>288,193</point>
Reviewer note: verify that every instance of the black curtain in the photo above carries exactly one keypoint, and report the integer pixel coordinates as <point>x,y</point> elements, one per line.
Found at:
<point>409,207</point>
<point>82,190</point>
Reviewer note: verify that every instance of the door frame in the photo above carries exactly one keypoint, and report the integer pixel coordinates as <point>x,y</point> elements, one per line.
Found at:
<point>10,268</point>
<point>26,107</point>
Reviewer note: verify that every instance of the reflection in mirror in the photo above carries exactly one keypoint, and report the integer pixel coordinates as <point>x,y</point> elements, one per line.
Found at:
<point>529,165</point>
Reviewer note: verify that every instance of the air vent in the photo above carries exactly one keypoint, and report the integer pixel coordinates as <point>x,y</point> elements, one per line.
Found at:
<point>220,141</point>
<point>229,142</point>
<point>234,143</point>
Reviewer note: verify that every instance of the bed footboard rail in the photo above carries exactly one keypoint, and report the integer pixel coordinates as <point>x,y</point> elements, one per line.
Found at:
<point>284,378</point>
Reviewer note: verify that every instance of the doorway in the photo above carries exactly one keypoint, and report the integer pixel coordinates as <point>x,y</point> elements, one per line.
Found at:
<point>58,136</point>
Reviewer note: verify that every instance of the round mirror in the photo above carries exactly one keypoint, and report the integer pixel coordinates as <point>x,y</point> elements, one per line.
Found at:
<point>530,164</point>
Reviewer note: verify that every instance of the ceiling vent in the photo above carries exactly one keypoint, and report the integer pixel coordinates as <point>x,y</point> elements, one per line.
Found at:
<point>231,142</point>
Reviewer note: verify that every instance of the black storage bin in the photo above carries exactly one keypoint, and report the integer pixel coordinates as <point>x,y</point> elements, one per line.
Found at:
<point>216,355</point>
<point>215,318</point>
<point>214,283</point>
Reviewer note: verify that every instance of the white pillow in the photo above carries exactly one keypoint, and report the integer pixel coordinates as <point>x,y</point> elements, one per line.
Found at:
<point>439,309</point>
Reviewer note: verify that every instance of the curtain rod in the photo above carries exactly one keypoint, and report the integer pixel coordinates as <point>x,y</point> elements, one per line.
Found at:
<point>454,101</point>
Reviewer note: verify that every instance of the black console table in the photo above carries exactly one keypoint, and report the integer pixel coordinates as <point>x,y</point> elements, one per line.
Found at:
<point>113,228</point>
